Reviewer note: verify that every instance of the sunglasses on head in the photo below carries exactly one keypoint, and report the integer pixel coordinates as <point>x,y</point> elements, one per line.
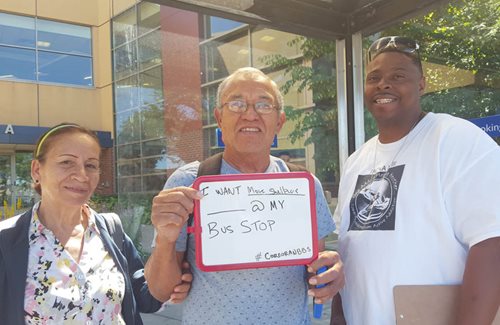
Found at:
<point>393,43</point>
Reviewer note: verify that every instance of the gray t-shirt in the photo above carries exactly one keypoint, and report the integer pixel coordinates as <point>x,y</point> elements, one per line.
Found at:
<point>276,295</point>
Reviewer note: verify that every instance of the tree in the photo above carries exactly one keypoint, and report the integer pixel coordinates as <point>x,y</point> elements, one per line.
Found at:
<point>463,36</point>
<point>314,72</point>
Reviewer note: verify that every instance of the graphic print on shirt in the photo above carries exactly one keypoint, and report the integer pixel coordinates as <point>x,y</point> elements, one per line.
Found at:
<point>373,204</point>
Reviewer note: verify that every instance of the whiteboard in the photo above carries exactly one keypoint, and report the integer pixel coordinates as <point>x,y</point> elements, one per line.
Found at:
<point>255,220</point>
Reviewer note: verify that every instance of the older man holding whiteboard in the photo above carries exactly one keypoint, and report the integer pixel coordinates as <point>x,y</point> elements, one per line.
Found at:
<point>249,114</point>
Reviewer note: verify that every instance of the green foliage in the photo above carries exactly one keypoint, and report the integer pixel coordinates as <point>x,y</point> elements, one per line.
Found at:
<point>463,35</point>
<point>104,203</point>
<point>318,77</point>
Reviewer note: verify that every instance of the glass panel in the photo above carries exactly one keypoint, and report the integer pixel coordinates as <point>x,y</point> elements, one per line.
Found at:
<point>129,168</point>
<point>154,147</point>
<point>292,96</point>
<point>268,41</point>
<point>128,126</point>
<point>125,60</point>
<point>459,48</point>
<point>149,17</point>
<point>153,122</point>
<point>17,30</point>
<point>209,135</point>
<point>223,58</point>
<point>150,50</point>
<point>5,181</point>
<point>128,151</point>
<point>219,26</point>
<point>55,36</point>
<point>155,165</point>
<point>125,27</point>
<point>155,182</point>
<point>161,164</point>
<point>63,68</point>
<point>208,104</point>
<point>17,63</point>
<point>129,184</point>
<point>151,87</point>
<point>24,194</point>
<point>126,94</point>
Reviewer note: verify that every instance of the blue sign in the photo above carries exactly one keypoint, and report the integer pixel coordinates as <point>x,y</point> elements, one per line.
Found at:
<point>489,124</point>
<point>220,143</point>
<point>20,134</point>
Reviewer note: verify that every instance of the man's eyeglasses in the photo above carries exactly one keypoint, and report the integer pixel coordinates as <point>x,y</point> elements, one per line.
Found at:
<point>393,43</point>
<point>239,106</point>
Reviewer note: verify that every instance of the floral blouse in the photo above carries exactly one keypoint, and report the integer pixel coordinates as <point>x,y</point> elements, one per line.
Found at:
<point>61,291</point>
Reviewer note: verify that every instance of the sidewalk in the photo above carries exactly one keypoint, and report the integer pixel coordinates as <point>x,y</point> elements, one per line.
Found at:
<point>171,315</point>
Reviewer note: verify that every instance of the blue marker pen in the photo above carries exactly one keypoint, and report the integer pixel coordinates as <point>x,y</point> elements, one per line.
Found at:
<point>318,308</point>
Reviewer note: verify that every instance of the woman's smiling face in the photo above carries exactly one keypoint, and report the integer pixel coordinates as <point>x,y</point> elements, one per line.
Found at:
<point>69,172</point>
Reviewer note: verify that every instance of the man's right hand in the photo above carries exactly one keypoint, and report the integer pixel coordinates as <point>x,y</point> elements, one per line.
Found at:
<point>171,209</point>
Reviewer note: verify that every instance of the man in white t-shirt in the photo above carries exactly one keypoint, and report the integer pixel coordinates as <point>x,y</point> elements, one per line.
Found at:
<point>250,113</point>
<point>418,202</point>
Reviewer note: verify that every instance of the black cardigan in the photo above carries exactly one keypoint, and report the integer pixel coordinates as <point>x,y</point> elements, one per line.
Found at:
<point>14,266</point>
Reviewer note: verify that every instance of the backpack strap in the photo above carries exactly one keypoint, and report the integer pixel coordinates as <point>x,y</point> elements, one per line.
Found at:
<point>115,229</point>
<point>211,165</point>
<point>295,168</point>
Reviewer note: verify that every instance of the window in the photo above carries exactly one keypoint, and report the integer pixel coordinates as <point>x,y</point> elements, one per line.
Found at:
<point>459,49</point>
<point>139,103</point>
<point>45,51</point>
<point>217,26</point>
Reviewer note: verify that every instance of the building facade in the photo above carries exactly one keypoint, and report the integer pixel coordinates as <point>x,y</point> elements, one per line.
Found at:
<point>145,76</point>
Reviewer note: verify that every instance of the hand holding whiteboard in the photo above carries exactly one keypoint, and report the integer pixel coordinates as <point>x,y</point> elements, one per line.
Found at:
<point>255,220</point>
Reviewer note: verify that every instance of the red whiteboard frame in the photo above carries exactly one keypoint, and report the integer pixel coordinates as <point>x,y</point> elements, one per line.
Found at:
<point>197,229</point>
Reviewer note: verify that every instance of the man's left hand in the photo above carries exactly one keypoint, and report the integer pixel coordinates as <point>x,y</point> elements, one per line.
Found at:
<point>333,277</point>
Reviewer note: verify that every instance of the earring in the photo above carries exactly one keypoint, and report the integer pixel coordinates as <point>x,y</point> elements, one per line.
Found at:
<point>37,181</point>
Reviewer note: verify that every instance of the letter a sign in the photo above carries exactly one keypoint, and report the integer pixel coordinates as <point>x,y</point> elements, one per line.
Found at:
<point>9,129</point>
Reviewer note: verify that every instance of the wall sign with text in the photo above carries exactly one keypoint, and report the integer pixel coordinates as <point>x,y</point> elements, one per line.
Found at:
<point>255,220</point>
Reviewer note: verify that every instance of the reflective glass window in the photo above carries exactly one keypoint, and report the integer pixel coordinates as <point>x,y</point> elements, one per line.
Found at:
<point>126,94</point>
<point>154,147</point>
<point>153,122</point>
<point>293,96</point>
<point>22,186</point>
<point>61,37</point>
<point>459,50</point>
<point>267,41</point>
<point>209,104</point>
<point>149,50</point>
<point>125,60</point>
<point>64,51</point>
<point>17,63</point>
<point>151,86</point>
<point>63,68</point>
<point>217,26</point>
<point>224,57</point>
<point>128,126</point>
<point>129,184</point>
<point>154,183</point>
<point>129,167</point>
<point>125,27</point>
<point>128,151</point>
<point>17,30</point>
<point>155,165</point>
<point>149,17</point>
